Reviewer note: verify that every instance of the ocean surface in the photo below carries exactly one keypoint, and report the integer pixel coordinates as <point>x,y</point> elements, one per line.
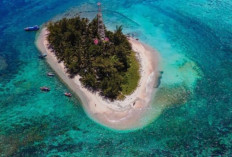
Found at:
<point>191,113</point>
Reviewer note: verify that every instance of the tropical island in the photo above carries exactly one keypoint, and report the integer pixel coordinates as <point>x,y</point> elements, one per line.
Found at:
<point>105,64</point>
<point>113,75</point>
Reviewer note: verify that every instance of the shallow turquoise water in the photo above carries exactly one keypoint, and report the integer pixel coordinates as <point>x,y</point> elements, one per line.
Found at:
<point>194,40</point>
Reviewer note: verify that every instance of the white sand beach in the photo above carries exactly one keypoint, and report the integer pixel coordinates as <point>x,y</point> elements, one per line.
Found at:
<point>119,115</point>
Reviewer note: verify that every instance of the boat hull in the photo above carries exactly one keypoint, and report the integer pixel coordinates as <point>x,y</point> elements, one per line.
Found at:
<point>34,28</point>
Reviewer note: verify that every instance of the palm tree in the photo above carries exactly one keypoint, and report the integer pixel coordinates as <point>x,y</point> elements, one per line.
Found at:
<point>119,29</point>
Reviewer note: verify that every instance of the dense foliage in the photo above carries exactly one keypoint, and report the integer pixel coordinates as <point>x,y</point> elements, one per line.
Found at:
<point>102,65</point>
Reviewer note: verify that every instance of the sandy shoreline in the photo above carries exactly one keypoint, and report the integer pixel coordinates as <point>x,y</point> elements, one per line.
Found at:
<point>120,115</point>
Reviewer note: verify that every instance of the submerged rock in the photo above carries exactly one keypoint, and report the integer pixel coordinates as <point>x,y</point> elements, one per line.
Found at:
<point>3,64</point>
<point>173,96</point>
<point>159,79</point>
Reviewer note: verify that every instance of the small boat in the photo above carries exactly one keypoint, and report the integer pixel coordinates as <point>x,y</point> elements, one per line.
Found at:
<point>50,74</point>
<point>42,56</point>
<point>45,89</point>
<point>68,94</point>
<point>33,28</point>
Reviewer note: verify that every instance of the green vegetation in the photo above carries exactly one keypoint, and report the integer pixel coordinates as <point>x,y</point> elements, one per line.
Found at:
<point>109,67</point>
<point>132,76</point>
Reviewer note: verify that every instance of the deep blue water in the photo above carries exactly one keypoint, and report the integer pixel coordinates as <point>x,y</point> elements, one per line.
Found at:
<point>194,39</point>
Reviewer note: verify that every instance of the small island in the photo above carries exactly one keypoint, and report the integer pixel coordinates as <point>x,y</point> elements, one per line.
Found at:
<point>113,75</point>
<point>106,64</point>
